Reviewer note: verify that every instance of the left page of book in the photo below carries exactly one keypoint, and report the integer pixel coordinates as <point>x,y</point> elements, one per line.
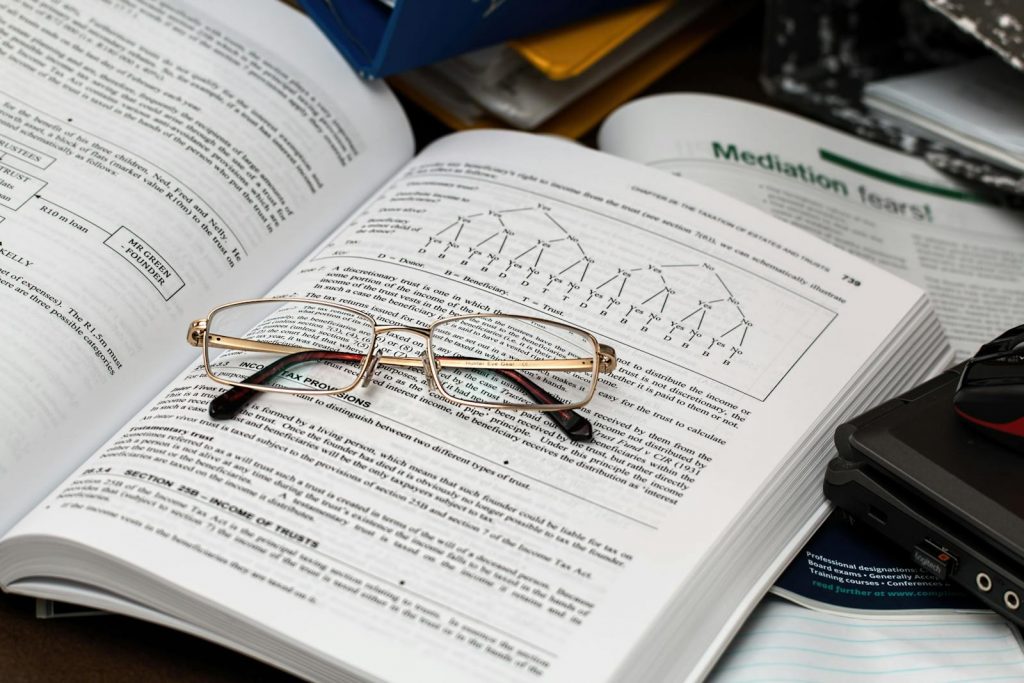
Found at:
<point>152,162</point>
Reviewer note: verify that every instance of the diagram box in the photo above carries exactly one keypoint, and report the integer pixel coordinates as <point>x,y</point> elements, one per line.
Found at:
<point>147,260</point>
<point>12,148</point>
<point>17,187</point>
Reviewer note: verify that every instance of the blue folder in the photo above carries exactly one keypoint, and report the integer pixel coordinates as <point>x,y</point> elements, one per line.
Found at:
<point>379,41</point>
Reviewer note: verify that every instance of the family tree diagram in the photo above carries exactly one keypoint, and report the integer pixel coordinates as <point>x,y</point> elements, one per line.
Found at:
<point>651,287</point>
<point>678,302</point>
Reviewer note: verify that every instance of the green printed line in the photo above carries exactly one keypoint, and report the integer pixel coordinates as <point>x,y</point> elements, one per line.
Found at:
<point>879,174</point>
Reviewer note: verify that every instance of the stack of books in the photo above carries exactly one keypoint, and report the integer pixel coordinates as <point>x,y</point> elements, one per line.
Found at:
<point>567,80</point>
<point>558,69</point>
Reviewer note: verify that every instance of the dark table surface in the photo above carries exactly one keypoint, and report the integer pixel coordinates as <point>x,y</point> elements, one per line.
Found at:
<point>112,648</point>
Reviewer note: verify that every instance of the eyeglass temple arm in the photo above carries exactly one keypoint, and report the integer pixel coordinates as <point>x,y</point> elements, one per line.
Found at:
<point>231,402</point>
<point>572,424</point>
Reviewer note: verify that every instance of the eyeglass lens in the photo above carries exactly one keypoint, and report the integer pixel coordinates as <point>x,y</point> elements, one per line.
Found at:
<point>299,346</point>
<point>513,340</point>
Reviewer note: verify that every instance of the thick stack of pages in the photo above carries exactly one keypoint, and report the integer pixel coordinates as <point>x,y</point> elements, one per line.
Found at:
<point>386,534</point>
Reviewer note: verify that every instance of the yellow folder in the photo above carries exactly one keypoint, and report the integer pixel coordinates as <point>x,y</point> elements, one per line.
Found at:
<point>569,51</point>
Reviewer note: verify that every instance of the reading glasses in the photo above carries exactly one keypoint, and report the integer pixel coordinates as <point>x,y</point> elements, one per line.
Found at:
<point>310,346</point>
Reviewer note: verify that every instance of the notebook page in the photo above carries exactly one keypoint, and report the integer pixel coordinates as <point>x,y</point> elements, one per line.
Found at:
<point>786,642</point>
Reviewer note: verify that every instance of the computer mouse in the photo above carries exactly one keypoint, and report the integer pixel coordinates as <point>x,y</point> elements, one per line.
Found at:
<point>990,395</point>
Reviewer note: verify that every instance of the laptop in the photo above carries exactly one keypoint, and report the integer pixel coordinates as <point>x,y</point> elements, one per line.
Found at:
<point>953,499</point>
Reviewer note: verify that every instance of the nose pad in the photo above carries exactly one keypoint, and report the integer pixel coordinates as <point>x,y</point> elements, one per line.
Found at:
<point>431,384</point>
<point>368,377</point>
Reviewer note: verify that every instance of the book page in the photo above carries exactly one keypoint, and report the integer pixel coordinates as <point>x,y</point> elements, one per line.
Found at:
<point>153,162</point>
<point>785,642</point>
<point>888,208</point>
<point>484,545</point>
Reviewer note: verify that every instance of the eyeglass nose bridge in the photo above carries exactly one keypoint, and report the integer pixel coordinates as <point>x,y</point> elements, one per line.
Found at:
<point>380,331</point>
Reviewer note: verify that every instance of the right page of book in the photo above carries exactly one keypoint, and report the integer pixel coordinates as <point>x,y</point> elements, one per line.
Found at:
<point>889,208</point>
<point>484,543</point>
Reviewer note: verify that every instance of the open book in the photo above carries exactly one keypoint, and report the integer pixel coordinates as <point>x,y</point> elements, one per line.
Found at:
<point>157,163</point>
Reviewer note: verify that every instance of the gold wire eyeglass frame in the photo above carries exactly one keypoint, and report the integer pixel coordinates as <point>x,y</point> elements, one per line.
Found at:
<point>602,360</point>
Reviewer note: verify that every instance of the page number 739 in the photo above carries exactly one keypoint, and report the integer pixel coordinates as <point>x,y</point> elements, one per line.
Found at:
<point>852,280</point>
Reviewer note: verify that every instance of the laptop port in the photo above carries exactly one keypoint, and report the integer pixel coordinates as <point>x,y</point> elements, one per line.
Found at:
<point>934,559</point>
<point>877,515</point>
<point>1011,600</point>
<point>983,581</point>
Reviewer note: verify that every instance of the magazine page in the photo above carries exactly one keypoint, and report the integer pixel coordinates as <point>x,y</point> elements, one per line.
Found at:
<point>848,570</point>
<point>153,162</point>
<point>889,208</point>
<point>484,542</point>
